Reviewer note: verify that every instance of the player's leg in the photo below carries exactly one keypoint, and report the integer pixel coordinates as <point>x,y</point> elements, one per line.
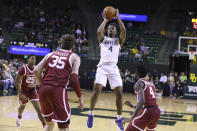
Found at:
<point>20,111</point>
<point>21,108</point>
<point>46,107</point>
<point>36,105</point>
<point>153,122</point>
<point>118,93</point>
<point>49,126</point>
<point>61,111</point>
<point>115,82</point>
<point>33,98</point>
<point>66,129</point>
<point>100,82</point>
<point>95,94</point>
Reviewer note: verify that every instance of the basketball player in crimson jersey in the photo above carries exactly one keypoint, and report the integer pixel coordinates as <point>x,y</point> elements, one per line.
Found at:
<point>146,112</point>
<point>107,67</point>
<point>61,68</point>
<point>25,84</point>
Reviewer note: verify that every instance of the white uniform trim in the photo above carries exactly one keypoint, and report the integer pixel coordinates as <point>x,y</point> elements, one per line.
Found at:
<point>151,129</point>
<point>47,115</point>
<point>68,114</point>
<point>133,122</point>
<point>25,70</point>
<point>29,69</point>
<point>34,100</point>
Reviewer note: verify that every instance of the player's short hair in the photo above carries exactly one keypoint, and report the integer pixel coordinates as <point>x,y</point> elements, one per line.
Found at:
<point>30,56</point>
<point>67,41</point>
<point>141,70</point>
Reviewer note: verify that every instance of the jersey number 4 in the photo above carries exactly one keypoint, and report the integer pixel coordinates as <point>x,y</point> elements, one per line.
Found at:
<point>110,48</point>
<point>152,93</point>
<point>58,62</point>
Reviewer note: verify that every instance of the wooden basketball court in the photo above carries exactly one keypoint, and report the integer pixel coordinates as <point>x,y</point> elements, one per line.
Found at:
<point>177,114</point>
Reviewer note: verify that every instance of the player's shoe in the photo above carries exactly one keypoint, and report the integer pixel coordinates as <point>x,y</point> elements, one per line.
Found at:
<point>90,121</point>
<point>18,122</point>
<point>119,124</point>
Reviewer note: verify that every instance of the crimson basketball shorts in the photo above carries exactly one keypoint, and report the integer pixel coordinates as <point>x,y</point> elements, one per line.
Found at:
<point>31,96</point>
<point>54,104</point>
<point>147,118</point>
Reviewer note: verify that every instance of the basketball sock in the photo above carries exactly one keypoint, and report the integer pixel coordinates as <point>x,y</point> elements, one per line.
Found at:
<point>91,113</point>
<point>119,117</point>
<point>19,116</point>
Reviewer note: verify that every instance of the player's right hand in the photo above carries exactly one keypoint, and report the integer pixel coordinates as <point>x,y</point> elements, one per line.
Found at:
<point>128,103</point>
<point>105,19</point>
<point>23,97</point>
<point>81,103</point>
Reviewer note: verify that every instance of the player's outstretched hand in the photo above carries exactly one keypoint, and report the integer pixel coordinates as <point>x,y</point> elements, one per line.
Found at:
<point>117,13</point>
<point>128,103</point>
<point>126,121</point>
<point>105,19</point>
<point>81,103</point>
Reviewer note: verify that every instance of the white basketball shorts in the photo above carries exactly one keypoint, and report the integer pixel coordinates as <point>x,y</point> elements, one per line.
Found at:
<point>108,72</point>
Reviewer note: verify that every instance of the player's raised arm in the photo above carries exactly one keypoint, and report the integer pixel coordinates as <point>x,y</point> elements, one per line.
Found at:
<point>100,31</point>
<point>74,79</point>
<point>122,28</point>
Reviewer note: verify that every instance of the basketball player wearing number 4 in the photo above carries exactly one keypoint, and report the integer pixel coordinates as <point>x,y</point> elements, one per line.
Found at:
<point>146,112</point>
<point>107,67</point>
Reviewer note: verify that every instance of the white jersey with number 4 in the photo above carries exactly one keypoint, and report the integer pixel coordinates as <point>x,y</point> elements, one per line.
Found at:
<point>109,51</point>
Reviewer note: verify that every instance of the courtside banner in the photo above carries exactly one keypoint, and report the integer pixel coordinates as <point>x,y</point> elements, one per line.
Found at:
<point>132,17</point>
<point>190,91</point>
<point>29,50</point>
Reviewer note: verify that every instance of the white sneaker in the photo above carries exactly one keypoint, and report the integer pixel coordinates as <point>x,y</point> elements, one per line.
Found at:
<point>18,122</point>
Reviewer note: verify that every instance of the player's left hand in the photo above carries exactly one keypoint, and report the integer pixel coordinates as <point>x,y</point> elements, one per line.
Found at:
<point>126,121</point>
<point>117,14</point>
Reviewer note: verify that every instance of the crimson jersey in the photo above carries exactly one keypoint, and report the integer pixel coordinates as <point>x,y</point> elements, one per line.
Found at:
<point>28,81</point>
<point>149,93</point>
<point>58,68</point>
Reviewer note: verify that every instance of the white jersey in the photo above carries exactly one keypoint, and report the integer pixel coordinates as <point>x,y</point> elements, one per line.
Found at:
<point>109,51</point>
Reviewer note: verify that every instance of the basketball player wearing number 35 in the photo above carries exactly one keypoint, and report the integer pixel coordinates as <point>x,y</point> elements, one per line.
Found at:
<point>107,67</point>
<point>61,68</point>
<point>146,112</point>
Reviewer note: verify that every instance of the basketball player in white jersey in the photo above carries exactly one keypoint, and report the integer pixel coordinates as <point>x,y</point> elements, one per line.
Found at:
<point>107,67</point>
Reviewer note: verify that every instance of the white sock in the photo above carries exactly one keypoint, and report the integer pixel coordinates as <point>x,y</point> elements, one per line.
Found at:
<point>91,113</point>
<point>119,117</point>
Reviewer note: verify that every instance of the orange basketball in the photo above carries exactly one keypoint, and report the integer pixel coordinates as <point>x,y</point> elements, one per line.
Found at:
<point>109,12</point>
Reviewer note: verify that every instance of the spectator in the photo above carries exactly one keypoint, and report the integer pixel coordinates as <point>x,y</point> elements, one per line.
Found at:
<point>183,79</point>
<point>171,83</point>
<point>9,85</point>
<point>78,31</point>
<point>135,51</point>
<point>162,81</point>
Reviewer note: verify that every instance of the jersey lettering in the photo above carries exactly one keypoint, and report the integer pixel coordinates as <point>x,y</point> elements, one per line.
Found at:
<point>151,92</point>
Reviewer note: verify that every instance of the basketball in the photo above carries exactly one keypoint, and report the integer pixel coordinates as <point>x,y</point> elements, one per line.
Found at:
<point>109,12</point>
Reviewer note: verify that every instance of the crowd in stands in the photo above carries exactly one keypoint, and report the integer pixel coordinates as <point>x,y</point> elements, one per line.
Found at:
<point>139,52</point>
<point>8,72</point>
<point>169,84</point>
<point>39,24</point>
